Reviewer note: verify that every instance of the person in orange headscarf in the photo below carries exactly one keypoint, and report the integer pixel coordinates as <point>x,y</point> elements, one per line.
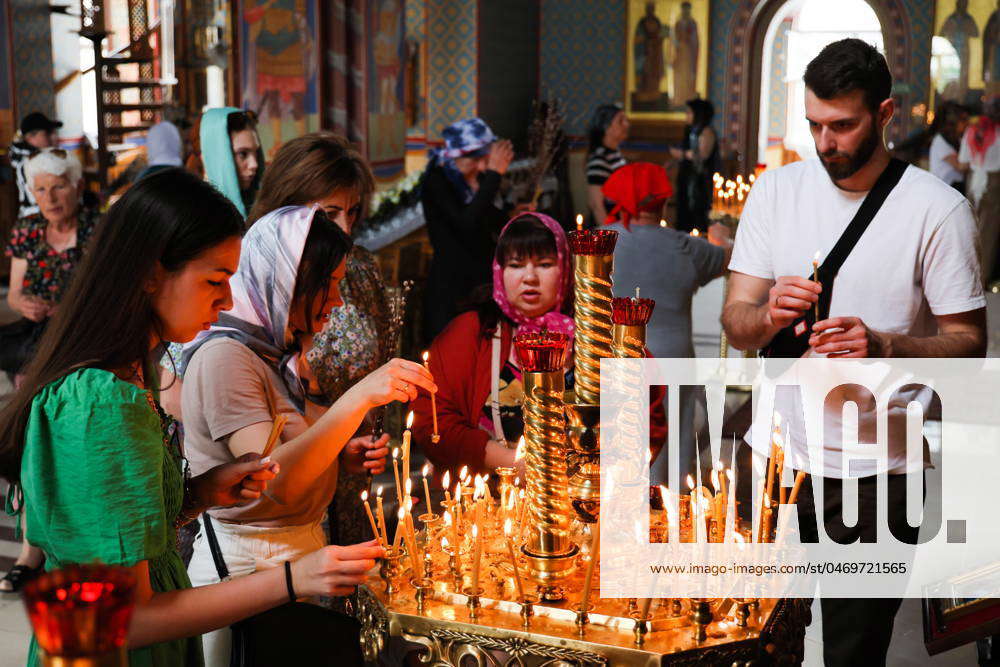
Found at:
<point>667,264</point>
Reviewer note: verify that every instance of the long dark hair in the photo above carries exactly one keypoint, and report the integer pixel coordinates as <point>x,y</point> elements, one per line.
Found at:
<point>309,168</point>
<point>326,247</point>
<point>526,237</point>
<point>106,319</point>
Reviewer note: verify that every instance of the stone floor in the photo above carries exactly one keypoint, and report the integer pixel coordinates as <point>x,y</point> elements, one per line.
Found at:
<point>907,648</point>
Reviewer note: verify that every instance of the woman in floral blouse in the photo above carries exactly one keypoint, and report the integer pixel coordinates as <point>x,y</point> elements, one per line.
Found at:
<point>322,169</point>
<point>44,249</point>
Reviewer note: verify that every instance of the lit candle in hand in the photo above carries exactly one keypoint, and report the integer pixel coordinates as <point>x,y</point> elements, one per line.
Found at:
<point>816,279</point>
<point>435,436</point>
<point>371,518</point>
<point>395,472</point>
<point>383,532</point>
<point>406,446</point>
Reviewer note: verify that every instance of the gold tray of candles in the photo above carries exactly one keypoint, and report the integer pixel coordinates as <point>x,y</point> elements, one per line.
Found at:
<point>493,629</point>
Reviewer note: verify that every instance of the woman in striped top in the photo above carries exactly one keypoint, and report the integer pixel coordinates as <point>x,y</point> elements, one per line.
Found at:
<point>608,129</point>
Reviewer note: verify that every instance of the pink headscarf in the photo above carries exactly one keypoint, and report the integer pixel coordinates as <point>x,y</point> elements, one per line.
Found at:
<point>552,320</point>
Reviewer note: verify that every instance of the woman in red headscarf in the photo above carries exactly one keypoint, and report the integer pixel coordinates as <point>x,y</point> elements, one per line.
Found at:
<point>668,265</point>
<point>479,380</point>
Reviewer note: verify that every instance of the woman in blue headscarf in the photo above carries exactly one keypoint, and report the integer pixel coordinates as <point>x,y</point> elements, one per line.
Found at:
<point>460,189</point>
<point>232,155</point>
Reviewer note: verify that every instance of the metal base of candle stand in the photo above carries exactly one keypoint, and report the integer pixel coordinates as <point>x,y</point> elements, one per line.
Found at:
<point>583,438</point>
<point>446,635</point>
<point>551,571</point>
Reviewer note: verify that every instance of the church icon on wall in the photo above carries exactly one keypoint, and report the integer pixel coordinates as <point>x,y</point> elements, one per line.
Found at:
<point>667,63</point>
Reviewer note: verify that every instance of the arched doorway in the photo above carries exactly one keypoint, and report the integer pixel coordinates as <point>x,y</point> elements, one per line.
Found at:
<point>797,33</point>
<point>744,60</point>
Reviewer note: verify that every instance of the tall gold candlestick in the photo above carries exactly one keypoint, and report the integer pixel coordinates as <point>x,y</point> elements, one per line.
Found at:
<point>593,262</point>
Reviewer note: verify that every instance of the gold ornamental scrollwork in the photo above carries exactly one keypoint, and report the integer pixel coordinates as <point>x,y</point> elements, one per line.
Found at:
<point>374,624</point>
<point>448,648</point>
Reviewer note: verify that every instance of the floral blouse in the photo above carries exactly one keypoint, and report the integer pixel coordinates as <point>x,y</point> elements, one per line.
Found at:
<point>352,343</point>
<point>49,271</point>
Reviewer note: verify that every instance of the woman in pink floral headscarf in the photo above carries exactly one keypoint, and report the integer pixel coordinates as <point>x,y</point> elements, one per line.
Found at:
<point>479,386</point>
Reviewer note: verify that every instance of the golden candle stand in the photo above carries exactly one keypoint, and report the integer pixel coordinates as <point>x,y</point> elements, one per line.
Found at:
<point>502,634</point>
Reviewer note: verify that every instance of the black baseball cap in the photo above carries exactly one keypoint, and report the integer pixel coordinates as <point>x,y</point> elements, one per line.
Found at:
<point>38,121</point>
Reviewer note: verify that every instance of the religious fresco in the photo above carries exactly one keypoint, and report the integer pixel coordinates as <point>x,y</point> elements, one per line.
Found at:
<point>279,67</point>
<point>667,56</point>
<point>967,57</point>
<point>387,56</point>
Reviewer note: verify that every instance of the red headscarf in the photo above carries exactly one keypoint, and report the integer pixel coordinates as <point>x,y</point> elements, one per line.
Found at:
<point>640,186</point>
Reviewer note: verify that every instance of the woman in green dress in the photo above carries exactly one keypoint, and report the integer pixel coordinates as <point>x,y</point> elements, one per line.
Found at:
<point>95,457</point>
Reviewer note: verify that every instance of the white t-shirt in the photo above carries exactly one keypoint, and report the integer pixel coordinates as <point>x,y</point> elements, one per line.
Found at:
<point>941,149</point>
<point>917,259</point>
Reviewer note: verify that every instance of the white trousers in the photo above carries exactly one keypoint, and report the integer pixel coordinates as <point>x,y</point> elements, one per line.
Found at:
<point>246,549</point>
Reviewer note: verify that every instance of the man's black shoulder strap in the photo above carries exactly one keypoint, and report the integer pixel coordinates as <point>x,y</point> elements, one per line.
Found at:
<point>887,180</point>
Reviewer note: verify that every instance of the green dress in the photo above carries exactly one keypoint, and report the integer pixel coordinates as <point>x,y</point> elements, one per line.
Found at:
<point>101,484</point>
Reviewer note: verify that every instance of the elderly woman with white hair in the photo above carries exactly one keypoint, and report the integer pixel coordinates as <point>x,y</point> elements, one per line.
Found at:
<point>44,249</point>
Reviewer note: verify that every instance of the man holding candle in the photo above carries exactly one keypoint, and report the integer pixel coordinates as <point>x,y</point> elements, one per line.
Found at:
<point>926,302</point>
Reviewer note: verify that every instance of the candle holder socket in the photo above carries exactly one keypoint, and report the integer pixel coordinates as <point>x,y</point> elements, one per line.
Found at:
<point>473,602</point>
<point>422,588</point>
<point>701,616</point>
<point>527,603</point>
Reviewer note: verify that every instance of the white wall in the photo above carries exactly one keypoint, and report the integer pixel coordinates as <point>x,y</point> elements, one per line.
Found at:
<point>66,59</point>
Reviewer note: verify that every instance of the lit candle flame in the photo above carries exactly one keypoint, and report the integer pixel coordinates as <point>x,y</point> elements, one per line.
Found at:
<point>507,528</point>
<point>695,233</point>
<point>463,473</point>
<point>579,222</point>
<point>408,486</point>
<point>378,491</point>
<point>401,514</point>
<point>444,542</point>
<point>395,453</point>
<point>519,452</point>
<point>364,495</point>
<point>690,482</point>
<point>816,259</point>
<point>663,223</point>
<point>424,470</point>
<point>409,420</point>
<point>446,480</point>
<point>425,356</point>
<point>447,518</point>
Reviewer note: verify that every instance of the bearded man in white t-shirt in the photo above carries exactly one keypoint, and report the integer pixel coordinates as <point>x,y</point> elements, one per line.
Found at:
<point>909,288</point>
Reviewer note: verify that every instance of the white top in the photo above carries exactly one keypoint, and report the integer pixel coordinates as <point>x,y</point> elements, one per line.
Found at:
<point>980,165</point>
<point>917,259</point>
<point>941,149</point>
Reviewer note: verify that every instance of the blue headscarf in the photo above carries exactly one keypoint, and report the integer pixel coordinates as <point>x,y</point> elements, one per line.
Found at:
<point>471,137</point>
<point>217,155</point>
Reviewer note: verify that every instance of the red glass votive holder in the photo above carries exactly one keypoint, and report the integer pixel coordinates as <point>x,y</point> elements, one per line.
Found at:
<point>541,352</point>
<point>81,610</point>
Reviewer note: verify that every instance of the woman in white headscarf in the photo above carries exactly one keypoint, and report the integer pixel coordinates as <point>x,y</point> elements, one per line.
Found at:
<point>249,369</point>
